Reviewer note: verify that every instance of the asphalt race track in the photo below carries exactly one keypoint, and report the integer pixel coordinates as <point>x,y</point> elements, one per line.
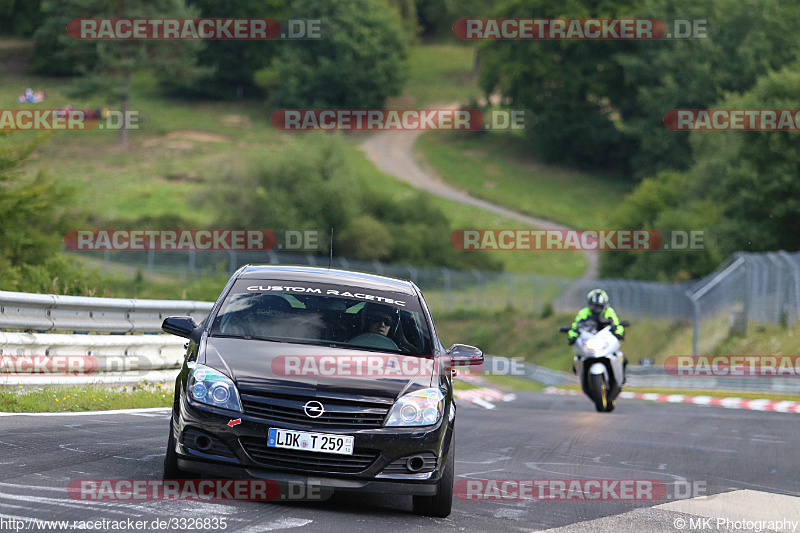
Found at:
<point>742,465</point>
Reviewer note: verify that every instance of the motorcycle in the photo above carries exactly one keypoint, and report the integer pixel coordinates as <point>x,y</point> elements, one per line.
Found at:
<point>598,363</point>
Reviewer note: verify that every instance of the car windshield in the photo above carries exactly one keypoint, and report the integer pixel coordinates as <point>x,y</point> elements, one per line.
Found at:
<point>313,313</point>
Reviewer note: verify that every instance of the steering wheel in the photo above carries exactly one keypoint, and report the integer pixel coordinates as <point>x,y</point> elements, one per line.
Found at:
<point>374,340</point>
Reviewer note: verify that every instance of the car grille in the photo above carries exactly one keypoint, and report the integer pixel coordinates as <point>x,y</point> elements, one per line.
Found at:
<point>335,463</point>
<point>338,413</point>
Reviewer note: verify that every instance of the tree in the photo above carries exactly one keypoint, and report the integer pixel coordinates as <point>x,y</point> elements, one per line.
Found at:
<point>753,176</point>
<point>20,17</point>
<point>661,203</point>
<point>107,66</point>
<point>311,185</point>
<point>573,87</point>
<point>34,214</point>
<point>741,189</point>
<point>436,17</point>
<point>232,64</point>
<point>747,38</point>
<point>359,62</point>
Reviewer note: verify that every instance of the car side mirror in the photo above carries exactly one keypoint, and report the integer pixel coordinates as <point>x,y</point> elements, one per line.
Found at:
<point>183,326</point>
<point>464,355</point>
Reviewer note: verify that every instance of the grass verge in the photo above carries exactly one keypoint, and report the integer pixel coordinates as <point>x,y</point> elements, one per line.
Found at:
<point>536,339</point>
<point>499,167</point>
<point>48,399</point>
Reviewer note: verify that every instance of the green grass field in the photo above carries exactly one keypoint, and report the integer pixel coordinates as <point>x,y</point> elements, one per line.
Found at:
<point>499,167</point>
<point>440,73</point>
<point>51,399</point>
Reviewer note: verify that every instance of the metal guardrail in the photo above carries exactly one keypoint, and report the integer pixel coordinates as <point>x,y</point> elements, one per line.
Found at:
<point>52,312</point>
<point>645,376</point>
<point>494,364</point>
<point>110,352</point>
<point>154,353</point>
<point>657,376</point>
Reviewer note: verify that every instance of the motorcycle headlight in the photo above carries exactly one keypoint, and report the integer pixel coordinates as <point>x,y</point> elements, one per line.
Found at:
<point>419,408</point>
<point>595,345</point>
<point>208,386</point>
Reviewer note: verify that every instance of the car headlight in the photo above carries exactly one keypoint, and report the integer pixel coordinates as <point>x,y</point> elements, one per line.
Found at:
<point>206,385</point>
<point>419,408</point>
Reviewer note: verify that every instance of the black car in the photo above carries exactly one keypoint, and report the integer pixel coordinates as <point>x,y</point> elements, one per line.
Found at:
<point>304,374</point>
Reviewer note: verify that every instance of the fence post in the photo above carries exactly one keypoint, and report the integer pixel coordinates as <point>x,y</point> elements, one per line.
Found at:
<point>696,326</point>
<point>446,276</point>
<point>794,267</point>
<point>479,292</point>
<point>233,261</point>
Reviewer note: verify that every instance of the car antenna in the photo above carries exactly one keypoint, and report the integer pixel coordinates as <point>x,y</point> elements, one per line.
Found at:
<point>330,261</point>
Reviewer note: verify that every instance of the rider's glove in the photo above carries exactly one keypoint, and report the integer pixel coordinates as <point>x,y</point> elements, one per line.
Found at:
<point>620,336</point>
<point>572,340</point>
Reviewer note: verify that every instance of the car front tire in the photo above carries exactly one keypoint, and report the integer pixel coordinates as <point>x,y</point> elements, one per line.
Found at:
<point>441,504</point>
<point>171,470</point>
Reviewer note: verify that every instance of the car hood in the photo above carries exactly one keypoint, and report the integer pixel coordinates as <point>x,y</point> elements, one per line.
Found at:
<point>280,367</point>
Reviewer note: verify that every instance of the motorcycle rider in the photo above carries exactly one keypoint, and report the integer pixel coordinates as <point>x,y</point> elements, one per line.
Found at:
<point>598,309</point>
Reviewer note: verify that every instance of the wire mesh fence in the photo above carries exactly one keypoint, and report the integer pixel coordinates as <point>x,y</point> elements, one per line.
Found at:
<point>748,287</point>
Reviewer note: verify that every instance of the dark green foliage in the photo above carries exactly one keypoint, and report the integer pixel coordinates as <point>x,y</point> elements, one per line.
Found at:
<point>358,64</point>
<point>106,66</point>
<point>572,86</point>
<point>742,188</point>
<point>310,185</point>
<point>34,215</point>
<point>747,39</point>
<point>753,176</point>
<point>436,17</point>
<point>20,17</point>
<point>232,64</point>
<point>661,203</point>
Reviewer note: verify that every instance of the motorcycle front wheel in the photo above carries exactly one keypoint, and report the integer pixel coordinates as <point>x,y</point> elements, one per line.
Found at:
<point>600,392</point>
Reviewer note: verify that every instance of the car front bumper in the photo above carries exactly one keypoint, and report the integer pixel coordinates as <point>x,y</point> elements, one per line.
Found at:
<point>389,444</point>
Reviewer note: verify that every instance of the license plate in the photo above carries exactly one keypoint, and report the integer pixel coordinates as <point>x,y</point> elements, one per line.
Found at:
<point>310,442</point>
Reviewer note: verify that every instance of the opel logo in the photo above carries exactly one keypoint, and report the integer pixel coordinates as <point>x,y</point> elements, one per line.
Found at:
<point>314,409</point>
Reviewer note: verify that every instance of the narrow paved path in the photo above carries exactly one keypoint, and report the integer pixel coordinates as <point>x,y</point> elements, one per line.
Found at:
<point>393,153</point>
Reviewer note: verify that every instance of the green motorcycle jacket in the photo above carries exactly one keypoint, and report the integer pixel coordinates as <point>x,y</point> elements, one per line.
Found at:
<point>608,316</point>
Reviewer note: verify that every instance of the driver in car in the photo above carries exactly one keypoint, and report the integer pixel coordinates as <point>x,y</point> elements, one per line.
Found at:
<point>379,319</point>
<point>383,320</point>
